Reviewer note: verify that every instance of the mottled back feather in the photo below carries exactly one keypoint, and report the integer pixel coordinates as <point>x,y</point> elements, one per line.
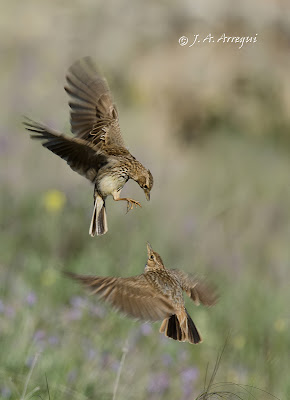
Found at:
<point>198,290</point>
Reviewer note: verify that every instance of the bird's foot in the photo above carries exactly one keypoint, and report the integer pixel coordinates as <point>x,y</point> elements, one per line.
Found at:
<point>131,203</point>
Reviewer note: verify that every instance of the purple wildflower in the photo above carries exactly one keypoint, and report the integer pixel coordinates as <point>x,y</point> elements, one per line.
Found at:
<point>31,298</point>
<point>6,392</point>
<point>98,310</point>
<point>53,340</point>
<point>77,302</point>
<point>39,335</point>
<point>146,329</point>
<point>188,377</point>
<point>74,314</point>
<point>91,353</point>
<point>167,360</point>
<point>158,383</point>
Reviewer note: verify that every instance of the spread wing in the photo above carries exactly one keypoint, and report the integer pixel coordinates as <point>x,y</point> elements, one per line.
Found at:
<point>133,296</point>
<point>198,290</point>
<point>80,155</point>
<point>93,114</point>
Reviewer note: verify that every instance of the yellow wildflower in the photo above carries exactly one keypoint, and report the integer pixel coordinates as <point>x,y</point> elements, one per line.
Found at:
<point>54,200</point>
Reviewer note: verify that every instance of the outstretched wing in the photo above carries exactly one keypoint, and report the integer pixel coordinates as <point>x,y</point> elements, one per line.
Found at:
<point>80,155</point>
<point>198,290</point>
<point>93,114</point>
<point>133,296</point>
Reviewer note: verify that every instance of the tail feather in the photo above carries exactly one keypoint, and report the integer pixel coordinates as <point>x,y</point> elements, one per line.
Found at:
<point>99,224</point>
<point>181,327</point>
<point>193,334</point>
<point>173,328</point>
<point>102,221</point>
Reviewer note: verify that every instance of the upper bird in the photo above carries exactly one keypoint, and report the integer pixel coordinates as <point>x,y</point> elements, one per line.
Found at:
<point>155,295</point>
<point>97,150</point>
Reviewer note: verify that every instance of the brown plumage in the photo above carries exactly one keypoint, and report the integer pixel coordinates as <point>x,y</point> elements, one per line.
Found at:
<point>97,151</point>
<point>155,295</point>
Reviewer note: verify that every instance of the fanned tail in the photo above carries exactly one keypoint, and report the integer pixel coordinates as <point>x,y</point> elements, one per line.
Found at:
<point>181,327</point>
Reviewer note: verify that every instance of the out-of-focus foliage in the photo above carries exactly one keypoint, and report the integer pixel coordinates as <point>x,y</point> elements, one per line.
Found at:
<point>211,122</point>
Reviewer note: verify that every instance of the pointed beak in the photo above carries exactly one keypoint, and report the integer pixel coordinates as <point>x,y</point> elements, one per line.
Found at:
<point>149,249</point>
<point>147,194</point>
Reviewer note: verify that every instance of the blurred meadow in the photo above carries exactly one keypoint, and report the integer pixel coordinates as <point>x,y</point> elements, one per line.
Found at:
<point>212,122</point>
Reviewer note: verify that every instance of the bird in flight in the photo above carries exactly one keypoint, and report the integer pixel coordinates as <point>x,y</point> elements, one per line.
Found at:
<point>97,149</point>
<point>155,295</point>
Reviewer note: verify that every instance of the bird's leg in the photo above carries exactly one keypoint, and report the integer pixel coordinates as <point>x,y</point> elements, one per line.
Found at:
<point>130,202</point>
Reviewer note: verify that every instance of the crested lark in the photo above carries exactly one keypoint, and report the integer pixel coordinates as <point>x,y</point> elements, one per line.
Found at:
<point>97,151</point>
<point>155,295</point>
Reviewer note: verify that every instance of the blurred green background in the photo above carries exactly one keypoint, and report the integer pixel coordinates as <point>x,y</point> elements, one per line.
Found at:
<point>211,121</point>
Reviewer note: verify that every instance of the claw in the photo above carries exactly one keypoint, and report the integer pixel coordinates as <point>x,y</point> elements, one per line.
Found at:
<point>131,203</point>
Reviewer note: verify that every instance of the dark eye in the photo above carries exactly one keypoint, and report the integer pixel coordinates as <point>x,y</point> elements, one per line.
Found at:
<point>151,257</point>
<point>145,187</point>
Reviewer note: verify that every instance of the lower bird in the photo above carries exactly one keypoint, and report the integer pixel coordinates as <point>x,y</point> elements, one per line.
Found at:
<point>155,295</point>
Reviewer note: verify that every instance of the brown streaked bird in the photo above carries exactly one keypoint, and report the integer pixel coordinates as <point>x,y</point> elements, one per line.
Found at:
<point>155,295</point>
<point>97,150</point>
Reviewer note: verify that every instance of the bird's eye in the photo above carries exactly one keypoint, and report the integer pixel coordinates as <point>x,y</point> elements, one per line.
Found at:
<point>151,257</point>
<point>145,187</point>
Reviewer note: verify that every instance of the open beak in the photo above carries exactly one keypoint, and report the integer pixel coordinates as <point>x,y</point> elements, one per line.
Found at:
<point>149,249</point>
<point>147,194</point>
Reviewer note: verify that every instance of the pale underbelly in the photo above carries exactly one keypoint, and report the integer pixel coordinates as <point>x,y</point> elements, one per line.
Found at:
<point>109,184</point>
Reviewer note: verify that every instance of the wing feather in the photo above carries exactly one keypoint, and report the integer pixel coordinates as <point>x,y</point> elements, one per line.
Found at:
<point>133,296</point>
<point>80,155</point>
<point>93,114</point>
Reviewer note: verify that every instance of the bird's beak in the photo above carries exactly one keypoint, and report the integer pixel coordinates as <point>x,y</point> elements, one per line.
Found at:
<point>149,249</point>
<point>147,194</point>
